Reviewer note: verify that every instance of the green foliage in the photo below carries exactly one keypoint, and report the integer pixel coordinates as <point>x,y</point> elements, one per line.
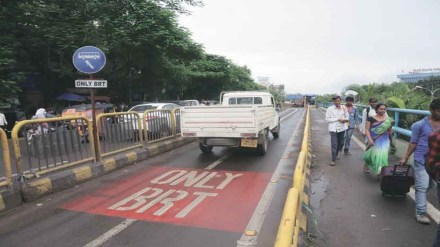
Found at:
<point>397,101</point>
<point>324,98</point>
<point>9,76</point>
<point>213,74</point>
<point>148,54</point>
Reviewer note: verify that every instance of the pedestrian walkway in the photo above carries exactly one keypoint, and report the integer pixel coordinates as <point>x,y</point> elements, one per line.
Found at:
<point>348,206</point>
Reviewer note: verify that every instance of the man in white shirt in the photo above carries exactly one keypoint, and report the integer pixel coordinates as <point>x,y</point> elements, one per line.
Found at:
<point>368,111</point>
<point>336,116</point>
<point>3,122</point>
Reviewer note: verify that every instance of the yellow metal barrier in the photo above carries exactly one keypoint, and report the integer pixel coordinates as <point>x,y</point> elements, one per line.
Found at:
<point>119,132</point>
<point>46,145</point>
<point>290,224</point>
<point>175,118</point>
<point>158,125</point>
<point>6,159</point>
<point>52,144</point>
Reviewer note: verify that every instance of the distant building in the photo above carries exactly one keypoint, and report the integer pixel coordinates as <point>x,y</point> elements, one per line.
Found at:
<point>264,81</point>
<point>278,88</point>
<point>419,74</point>
<point>299,99</point>
<point>291,97</point>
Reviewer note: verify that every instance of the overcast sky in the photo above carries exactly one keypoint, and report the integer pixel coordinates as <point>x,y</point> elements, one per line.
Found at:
<point>320,46</point>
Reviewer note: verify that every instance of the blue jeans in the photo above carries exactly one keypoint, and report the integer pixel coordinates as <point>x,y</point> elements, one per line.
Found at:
<point>348,134</point>
<point>421,186</point>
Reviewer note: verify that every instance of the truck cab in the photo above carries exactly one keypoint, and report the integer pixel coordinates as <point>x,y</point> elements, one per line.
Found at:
<point>247,98</point>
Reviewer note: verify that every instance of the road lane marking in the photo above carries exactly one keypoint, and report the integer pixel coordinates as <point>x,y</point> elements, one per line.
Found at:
<point>110,233</point>
<point>260,212</point>
<point>217,162</point>
<point>288,114</point>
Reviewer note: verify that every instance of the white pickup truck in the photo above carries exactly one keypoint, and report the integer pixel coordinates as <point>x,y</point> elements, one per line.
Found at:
<point>242,119</point>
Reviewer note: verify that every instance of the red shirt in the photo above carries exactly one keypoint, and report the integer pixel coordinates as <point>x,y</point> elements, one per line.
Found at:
<point>433,155</point>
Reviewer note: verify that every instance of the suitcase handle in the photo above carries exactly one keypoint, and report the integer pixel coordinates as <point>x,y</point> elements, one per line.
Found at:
<point>401,172</point>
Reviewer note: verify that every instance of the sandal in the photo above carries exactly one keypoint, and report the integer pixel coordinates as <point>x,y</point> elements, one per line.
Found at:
<point>366,169</point>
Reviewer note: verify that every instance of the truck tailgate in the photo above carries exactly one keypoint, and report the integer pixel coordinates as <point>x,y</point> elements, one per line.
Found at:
<point>221,121</point>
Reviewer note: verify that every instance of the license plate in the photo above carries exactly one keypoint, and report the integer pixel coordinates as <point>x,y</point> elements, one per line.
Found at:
<point>251,143</point>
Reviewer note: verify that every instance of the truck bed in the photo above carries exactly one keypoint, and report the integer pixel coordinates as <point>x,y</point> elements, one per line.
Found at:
<point>224,121</point>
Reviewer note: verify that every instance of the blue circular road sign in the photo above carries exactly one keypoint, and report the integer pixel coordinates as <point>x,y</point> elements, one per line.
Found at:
<point>89,59</point>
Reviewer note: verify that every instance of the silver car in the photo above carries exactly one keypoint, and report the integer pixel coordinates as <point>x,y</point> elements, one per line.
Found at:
<point>158,120</point>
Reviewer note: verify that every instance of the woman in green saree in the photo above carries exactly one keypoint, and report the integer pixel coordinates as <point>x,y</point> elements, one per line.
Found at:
<point>378,130</point>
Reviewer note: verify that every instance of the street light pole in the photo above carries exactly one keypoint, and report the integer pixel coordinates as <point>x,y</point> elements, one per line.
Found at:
<point>430,91</point>
<point>433,92</point>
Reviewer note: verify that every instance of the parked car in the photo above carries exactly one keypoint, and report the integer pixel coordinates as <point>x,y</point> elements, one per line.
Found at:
<point>158,123</point>
<point>141,108</point>
<point>188,102</point>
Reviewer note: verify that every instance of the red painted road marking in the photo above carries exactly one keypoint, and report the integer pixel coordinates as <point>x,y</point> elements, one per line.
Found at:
<point>220,200</point>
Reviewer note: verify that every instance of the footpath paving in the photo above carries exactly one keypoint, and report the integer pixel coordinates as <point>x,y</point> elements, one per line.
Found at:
<point>346,205</point>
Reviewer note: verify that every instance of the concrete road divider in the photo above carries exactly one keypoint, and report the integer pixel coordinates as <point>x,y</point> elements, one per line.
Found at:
<point>293,218</point>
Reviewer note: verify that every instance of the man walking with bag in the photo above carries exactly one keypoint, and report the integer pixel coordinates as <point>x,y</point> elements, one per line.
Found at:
<point>418,145</point>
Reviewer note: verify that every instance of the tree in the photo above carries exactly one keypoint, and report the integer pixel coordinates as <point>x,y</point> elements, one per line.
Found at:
<point>9,76</point>
<point>148,54</point>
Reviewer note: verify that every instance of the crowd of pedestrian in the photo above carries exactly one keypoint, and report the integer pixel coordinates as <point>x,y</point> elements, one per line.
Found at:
<point>377,128</point>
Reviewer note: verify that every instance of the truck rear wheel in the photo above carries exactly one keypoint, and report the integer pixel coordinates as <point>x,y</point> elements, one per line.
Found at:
<point>205,149</point>
<point>262,148</point>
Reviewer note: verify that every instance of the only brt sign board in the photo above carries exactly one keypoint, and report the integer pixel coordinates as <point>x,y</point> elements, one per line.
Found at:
<point>91,83</point>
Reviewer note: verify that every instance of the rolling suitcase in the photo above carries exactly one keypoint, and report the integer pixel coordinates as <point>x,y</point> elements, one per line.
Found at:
<point>396,180</point>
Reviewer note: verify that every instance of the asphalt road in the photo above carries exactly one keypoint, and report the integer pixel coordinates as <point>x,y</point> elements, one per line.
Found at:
<point>179,198</point>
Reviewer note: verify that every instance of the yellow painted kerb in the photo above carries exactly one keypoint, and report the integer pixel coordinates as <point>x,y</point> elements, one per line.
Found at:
<point>109,164</point>
<point>154,150</point>
<point>131,156</point>
<point>41,185</point>
<point>2,203</point>
<point>82,173</point>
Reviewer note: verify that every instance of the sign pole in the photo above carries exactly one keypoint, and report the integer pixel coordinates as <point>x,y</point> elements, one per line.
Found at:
<point>90,60</point>
<point>94,124</point>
